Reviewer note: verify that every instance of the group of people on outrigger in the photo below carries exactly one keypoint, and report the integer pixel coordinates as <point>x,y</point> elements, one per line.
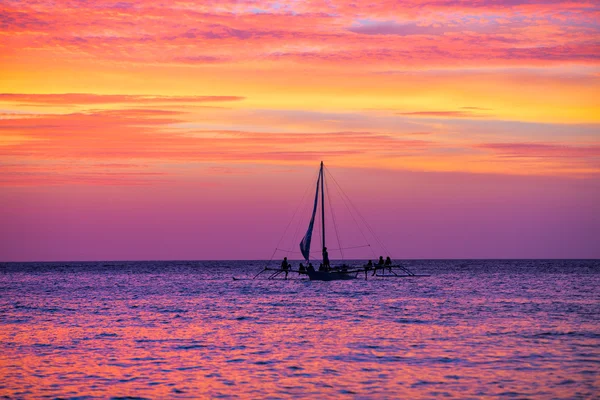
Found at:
<point>325,266</point>
<point>380,263</point>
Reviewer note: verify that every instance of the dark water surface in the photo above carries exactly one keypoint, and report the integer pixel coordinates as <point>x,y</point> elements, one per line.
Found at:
<point>187,330</point>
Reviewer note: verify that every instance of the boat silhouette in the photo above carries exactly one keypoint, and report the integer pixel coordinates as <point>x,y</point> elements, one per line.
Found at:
<point>327,272</point>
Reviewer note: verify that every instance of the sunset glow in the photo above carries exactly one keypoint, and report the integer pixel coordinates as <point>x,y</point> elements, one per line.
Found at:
<point>189,130</point>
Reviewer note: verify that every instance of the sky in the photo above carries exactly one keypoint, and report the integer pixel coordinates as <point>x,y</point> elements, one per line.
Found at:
<point>142,130</point>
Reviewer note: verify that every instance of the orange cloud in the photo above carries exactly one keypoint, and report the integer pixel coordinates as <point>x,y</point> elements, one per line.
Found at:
<point>89,98</point>
<point>446,114</point>
<point>135,145</point>
<point>543,150</point>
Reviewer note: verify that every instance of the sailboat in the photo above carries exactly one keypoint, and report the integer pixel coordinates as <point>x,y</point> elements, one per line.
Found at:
<point>326,272</point>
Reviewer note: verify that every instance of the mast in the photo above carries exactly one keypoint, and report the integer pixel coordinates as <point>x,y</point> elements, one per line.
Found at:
<point>322,206</point>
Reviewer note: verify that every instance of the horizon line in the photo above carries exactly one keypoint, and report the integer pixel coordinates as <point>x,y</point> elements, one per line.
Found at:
<point>300,260</point>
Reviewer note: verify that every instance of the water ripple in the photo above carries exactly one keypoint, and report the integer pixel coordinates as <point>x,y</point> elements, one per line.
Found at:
<point>186,330</point>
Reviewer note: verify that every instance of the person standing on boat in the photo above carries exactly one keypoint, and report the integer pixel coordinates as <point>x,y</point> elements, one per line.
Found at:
<point>285,266</point>
<point>368,267</point>
<point>326,259</point>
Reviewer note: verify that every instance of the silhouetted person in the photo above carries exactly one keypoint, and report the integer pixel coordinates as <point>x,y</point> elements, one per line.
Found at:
<point>321,267</point>
<point>326,258</point>
<point>301,269</point>
<point>368,267</point>
<point>310,267</point>
<point>285,266</point>
<point>380,262</point>
<point>388,261</point>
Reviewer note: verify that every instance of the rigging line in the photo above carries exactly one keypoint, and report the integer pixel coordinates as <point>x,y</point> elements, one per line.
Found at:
<point>363,219</point>
<point>334,221</point>
<point>289,223</point>
<point>271,259</point>
<point>289,251</point>
<point>379,241</point>
<point>345,201</point>
<point>320,225</point>
<point>352,247</point>
<point>319,218</point>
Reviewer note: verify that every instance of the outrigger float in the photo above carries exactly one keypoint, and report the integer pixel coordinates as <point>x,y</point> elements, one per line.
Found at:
<point>341,273</point>
<point>326,272</point>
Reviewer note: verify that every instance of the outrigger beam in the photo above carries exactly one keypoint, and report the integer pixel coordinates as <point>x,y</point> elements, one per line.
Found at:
<point>256,276</point>
<point>378,271</point>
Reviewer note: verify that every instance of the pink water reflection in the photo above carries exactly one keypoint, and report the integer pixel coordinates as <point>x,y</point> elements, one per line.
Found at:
<point>161,330</point>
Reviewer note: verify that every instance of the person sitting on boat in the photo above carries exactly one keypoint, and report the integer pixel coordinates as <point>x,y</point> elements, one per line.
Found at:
<point>388,263</point>
<point>369,265</point>
<point>321,267</point>
<point>301,269</point>
<point>310,267</point>
<point>326,259</point>
<point>380,262</point>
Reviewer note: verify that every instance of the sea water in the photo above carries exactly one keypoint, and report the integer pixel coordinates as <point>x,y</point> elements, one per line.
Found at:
<point>186,329</point>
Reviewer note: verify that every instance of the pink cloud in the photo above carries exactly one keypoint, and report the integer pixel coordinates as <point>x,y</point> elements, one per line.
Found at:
<point>542,150</point>
<point>104,139</point>
<point>442,32</point>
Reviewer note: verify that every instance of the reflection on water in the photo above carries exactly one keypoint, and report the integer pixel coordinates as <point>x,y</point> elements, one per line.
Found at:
<point>186,329</point>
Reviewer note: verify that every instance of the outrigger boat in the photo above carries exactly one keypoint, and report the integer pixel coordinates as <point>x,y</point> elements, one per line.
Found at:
<point>326,272</point>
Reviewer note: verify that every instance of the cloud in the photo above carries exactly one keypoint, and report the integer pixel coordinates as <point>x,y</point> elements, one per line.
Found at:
<point>476,108</point>
<point>200,59</point>
<point>441,32</point>
<point>95,144</point>
<point>106,139</point>
<point>26,176</point>
<point>445,114</point>
<point>89,98</point>
<point>393,28</point>
<point>20,21</point>
<point>543,150</point>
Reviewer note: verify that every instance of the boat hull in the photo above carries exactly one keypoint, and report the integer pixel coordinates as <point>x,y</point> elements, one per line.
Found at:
<point>331,275</point>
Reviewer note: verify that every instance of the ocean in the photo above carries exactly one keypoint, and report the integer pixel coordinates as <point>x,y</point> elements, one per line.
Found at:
<point>186,329</point>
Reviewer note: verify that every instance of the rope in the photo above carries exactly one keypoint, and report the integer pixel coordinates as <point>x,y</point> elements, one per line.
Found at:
<point>362,218</point>
<point>289,251</point>
<point>339,248</point>
<point>345,200</point>
<point>288,225</point>
<point>334,222</point>
<point>352,247</point>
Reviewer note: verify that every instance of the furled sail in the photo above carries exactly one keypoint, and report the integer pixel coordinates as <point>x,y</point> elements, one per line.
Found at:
<point>305,243</point>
